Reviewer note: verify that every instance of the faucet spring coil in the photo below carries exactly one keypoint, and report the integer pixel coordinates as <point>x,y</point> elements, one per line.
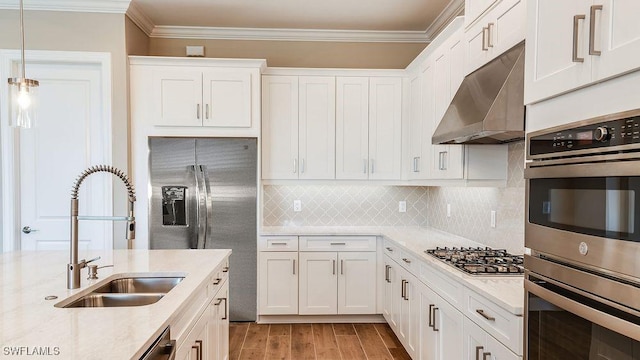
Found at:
<point>103,168</point>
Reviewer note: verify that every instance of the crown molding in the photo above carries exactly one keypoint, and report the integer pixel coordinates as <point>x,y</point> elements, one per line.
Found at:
<point>99,6</point>
<point>227,33</point>
<point>451,11</point>
<point>140,19</point>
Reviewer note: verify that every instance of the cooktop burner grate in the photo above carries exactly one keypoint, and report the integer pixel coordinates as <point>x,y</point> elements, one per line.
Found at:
<point>480,261</point>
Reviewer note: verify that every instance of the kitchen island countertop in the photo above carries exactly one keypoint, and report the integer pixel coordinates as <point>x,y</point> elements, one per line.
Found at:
<point>32,327</point>
<point>505,291</point>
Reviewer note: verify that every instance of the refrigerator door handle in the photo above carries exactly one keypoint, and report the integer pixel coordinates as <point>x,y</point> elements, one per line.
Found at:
<point>208,204</point>
<point>199,210</point>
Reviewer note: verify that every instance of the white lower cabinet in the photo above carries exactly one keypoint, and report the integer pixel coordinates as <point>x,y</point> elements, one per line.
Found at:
<point>389,298</point>
<point>208,339</point>
<point>478,344</point>
<point>402,301</point>
<point>440,327</point>
<point>337,283</point>
<point>278,283</point>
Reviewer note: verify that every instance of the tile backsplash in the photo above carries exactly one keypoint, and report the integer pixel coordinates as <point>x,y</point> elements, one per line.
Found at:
<point>344,205</point>
<point>373,205</point>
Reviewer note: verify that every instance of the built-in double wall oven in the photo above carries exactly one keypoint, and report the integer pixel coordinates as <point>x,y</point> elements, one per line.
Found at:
<point>582,278</point>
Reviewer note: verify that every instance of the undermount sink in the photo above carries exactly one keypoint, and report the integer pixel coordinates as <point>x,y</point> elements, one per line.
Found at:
<point>139,285</point>
<point>115,300</point>
<point>130,291</point>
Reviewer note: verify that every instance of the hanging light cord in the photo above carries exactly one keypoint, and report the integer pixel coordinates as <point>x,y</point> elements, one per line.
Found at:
<point>24,74</point>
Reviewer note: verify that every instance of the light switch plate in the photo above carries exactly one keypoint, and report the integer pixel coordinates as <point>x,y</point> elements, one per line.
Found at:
<point>402,206</point>
<point>297,205</point>
<point>493,218</point>
<point>448,210</point>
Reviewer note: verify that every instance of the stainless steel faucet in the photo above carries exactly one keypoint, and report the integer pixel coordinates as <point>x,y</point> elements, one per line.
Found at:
<point>74,266</point>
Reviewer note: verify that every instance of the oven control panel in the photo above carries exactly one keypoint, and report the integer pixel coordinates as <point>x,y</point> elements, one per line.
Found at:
<point>604,136</point>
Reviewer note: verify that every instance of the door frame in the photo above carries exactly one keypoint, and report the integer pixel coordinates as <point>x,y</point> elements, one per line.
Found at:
<point>9,137</point>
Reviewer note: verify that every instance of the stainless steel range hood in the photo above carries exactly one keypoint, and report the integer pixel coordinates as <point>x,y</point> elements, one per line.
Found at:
<point>489,105</point>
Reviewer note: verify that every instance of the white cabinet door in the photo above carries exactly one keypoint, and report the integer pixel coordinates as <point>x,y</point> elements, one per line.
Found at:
<point>617,36</point>
<point>478,344</point>
<point>409,312</point>
<point>507,25</point>
<point>278,283</point>
<point>389,293</point>
<point>196,344</point>
<point>447,326</point>
<point>318,283</point>
<point>553,32</point>
<point>227,99</point>
<point>475,42</point>
<point>222,321</point>
<point>473,9</point>
<point>317,127</point>
<point>385,135</point>
<point>178,97</point>
<point>357,283</point>
<point>352,127</point>
<point>416,125</point>
<point>279,127</point>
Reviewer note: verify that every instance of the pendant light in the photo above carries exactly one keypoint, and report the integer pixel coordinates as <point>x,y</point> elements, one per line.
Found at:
<point>23,90</point>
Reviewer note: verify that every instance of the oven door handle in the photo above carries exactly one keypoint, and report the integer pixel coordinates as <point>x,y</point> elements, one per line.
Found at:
<point>611,169</point>
<point>598,317</point>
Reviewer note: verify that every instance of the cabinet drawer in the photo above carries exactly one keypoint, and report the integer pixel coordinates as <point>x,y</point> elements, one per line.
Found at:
<point>218,278</point>
<point>337,243</point>
<point>278,243</point>
<point>501,324</point>
<point>449,289</point>
<point>391,249</point>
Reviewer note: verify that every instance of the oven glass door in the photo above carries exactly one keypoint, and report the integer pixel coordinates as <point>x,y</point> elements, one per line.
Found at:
<point>554,333</point>
<point>598,206</point>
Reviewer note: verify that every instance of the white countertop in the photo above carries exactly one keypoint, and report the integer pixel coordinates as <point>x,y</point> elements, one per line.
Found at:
<point>505,291</point>
<point>28,320</point>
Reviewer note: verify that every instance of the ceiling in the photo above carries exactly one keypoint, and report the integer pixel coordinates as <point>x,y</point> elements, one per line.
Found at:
<point>420,19</point>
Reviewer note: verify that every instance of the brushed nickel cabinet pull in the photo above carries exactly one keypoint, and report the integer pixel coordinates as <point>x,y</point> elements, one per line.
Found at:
<point>334,266</point>
<point>226,309</point>
<point>484,315</point>
<point>386,273</point>
<point>402,288</point>
<point>364,166</point>
<point>389,249</point>
<point>198,111</point>
<point>485,355</point>
<point>592,30</point>
<point>295,165</point>
<point>198,348</point>
<point>435,322</point>
<point>206,111</point>
<point>576,20</point>
<point>217,281</point>
<point>489,42</point>
<point>431,315</point>
<point>372,169</point>
<point>341,267</point>
<point>338,243</point>
<point>278,243</point>
<point>294,266</point>
<point>406,260</point>
<point>484,39</point>
<point>302,166</point>
<point>478,351</point>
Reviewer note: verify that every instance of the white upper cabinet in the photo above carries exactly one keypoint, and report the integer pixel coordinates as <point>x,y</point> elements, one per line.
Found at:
<point>227,99</point>
<point>202,97</point>
<point>279,127</point>
<point>578,43</point>
<point>473,9</point>
<point>500,27</point>
<point>352,128</point>
<point>385,133</point>
<point>298,132</point>
<point>317,127</point>
<point>419,130</point>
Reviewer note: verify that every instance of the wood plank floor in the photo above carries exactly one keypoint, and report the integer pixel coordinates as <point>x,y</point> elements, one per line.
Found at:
<point>250,341</point>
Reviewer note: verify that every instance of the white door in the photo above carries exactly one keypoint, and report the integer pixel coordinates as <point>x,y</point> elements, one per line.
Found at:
<point>278,283</point>
<point>227,99</point>
<point>178,97</point>
<point>318,283</point>
<point>352,127</point>
<point>385,121</point>
<point>279,127</point>
<point>617,36</point>
<point>389,297</point>
<point>416,121</point>
<point>317,129</point>
<point>474,342</point>
<point>409,312</point>
<point>357,283</point>
<point>71,134</point>
<point>447,326</point>
<point>550,65</point>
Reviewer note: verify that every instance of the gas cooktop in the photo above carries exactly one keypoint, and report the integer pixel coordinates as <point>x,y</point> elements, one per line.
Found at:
<point>480,261</point>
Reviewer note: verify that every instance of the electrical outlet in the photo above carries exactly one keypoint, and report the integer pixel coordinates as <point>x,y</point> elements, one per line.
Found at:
<point>448,210</point>
<point>493,218</point>
<point>297,205</point>
<point>402,206</point>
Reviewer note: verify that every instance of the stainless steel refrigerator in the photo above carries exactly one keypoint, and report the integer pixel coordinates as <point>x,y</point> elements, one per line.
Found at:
<point>203,196</point>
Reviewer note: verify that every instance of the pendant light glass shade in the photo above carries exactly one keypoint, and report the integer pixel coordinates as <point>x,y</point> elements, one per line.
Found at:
<point>22,90</point>
<point>23,95</point>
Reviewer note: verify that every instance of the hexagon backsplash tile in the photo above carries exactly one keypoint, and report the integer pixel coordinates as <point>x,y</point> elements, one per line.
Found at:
<point>344,205</point>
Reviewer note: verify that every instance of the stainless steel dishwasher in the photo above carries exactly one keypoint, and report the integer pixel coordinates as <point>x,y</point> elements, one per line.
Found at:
<point>162,349</point>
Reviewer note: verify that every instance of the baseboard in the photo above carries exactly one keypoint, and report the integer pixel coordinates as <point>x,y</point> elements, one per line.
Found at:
<point>306,319</point>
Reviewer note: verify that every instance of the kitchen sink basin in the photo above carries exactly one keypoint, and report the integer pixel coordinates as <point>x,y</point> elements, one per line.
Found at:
<point>139,285</point>
<point>115,300</point>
